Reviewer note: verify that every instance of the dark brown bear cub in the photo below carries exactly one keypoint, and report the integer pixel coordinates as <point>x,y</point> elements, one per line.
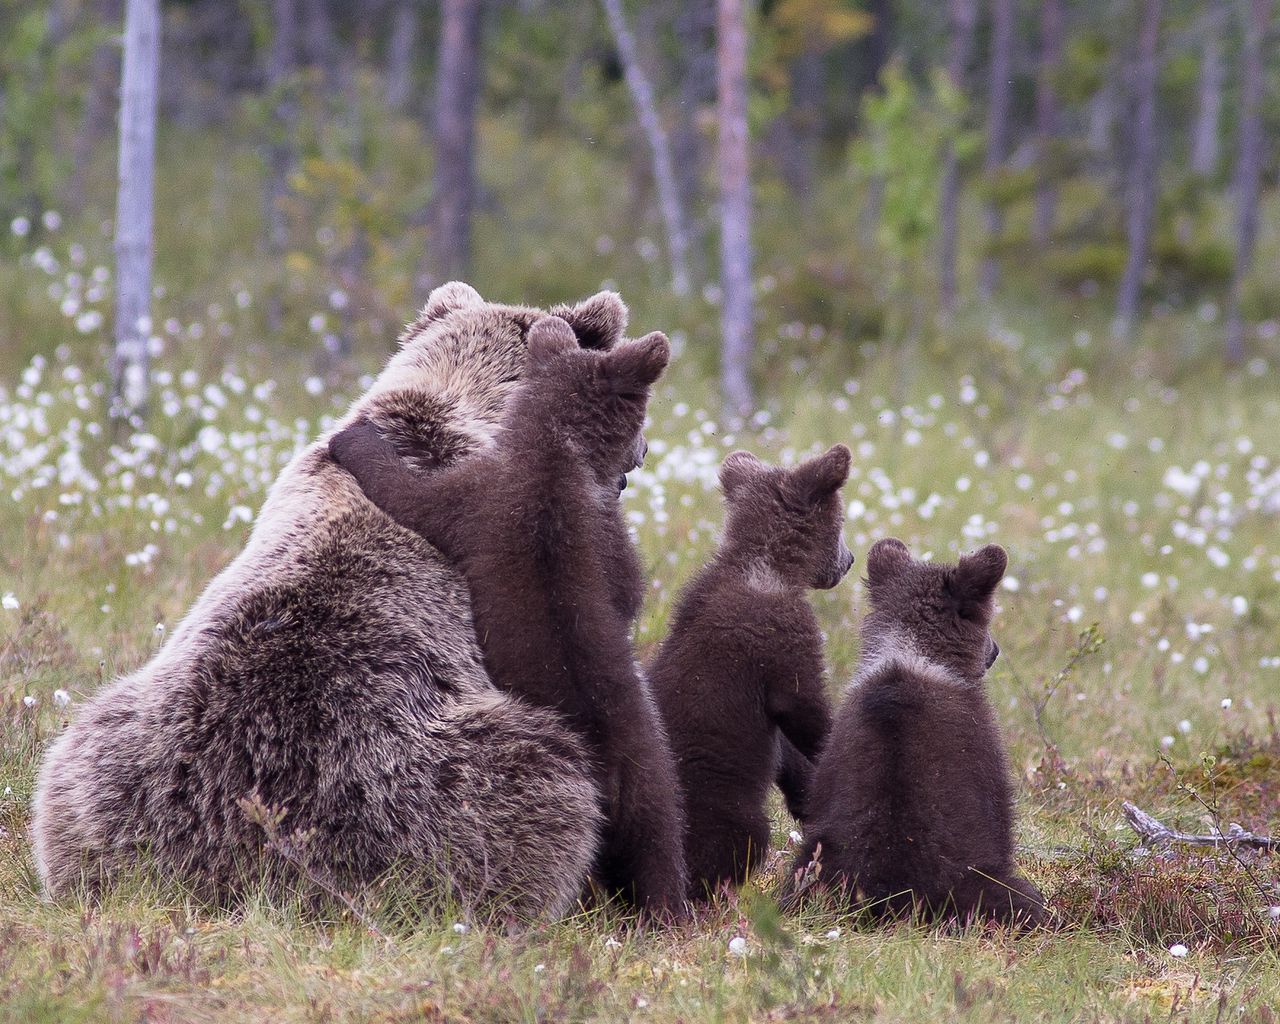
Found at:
<point>536,529</point>
<point>912,806</point>
<point>741,670</point>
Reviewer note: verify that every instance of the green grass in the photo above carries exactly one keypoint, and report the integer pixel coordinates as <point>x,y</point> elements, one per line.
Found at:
<point>1020,424</point>
<point>1069,483</point>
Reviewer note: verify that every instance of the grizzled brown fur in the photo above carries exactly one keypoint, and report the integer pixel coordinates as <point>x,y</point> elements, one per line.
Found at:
<point>741,669</point>
<point>332,669</point>
<point>912,806</point>
<point>537,531</point>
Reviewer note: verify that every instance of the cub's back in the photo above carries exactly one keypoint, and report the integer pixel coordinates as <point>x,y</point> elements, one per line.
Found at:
<point>915,772</point>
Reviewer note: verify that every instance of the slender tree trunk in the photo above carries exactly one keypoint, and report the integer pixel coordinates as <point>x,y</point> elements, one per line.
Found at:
<point>318,37</point>
<point>1248,166</point>
<point>404,29</point>
<point>133,245</point>
<point>673,217</point>
<point>458,79</point>
<point>963,16</point>
<point>1051,29</point>
<point>1101,118</point>
<point>800,125</point>
<point>1213,74</point>
<point>1140,199</point>
<point>877,49</point>
<point>737,311</point>
<point>997,129</point>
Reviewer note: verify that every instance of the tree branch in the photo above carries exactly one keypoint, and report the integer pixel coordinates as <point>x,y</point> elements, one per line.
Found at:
<point>1156,833</point>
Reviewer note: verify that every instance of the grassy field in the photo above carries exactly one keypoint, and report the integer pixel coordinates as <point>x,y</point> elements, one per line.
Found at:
<point>1138,494</point>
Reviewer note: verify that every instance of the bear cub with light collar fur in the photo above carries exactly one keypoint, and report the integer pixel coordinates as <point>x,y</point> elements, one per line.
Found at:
<point>739,678</point>
<point>912,805</point>
<point>536,529</point>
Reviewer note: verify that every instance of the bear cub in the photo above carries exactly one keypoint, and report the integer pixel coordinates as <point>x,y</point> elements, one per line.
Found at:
<point>912,804</point>
<point>739,677</point>
<point>536,530</point>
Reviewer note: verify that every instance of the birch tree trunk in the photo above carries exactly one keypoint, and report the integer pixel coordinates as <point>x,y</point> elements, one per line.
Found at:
<point>737,311</point>
<point>963,16</point>
<point>404,28</point>
<point>1051,27</point>
<point>1248,166</point>
<point>1141,191</point>
<point>997,129</point>
<point>458,77</point>
<point>673,217</point>
<point>134,200</point>
<point>1213,74</point>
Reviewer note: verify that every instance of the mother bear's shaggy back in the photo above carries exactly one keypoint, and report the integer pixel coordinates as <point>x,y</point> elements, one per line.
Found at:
<point>332,671</point>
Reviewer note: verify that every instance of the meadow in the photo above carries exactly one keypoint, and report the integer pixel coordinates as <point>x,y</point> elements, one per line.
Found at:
<point>1137,491</point>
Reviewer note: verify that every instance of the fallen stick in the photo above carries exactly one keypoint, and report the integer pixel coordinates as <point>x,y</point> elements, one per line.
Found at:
<point>1156,833</point>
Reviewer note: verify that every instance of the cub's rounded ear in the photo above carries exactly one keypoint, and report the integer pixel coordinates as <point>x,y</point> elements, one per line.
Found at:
<point>550,337</point>
<point>447,298</point>
<point>886,559</point>
<point>817,478</point>
<point>637,364</point>
<point>737,469</point>
<point>598,321</point>
<point>977,576</point>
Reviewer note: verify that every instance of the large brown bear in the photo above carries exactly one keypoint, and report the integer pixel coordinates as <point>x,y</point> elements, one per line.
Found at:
<point>536,529</point>
<point>911,806</point>
<point>332,670</point>
<point>741,668</point>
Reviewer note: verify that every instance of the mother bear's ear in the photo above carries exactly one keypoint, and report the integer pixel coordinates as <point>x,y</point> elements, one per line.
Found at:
<point>448,297</point>
<point>598,321</point>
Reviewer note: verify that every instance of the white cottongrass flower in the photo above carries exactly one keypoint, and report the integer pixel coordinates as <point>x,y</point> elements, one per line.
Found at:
<point>1184,726</point>
<point>9,602</point>
<point>834,933</point>
<point>29,701</point>
<point>61,698</point>
<point>738,946</point>
<point>1178,950</point>
<point>460,928</point>
<point>1226,703</point>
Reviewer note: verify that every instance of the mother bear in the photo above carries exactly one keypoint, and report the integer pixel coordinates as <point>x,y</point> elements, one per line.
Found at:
<point>332,671</point>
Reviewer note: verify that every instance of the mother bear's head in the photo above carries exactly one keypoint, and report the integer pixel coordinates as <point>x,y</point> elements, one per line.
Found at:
<point>441,395</point>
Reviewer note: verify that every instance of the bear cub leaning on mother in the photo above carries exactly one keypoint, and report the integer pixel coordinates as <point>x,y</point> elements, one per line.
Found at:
<point>535,527</point>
